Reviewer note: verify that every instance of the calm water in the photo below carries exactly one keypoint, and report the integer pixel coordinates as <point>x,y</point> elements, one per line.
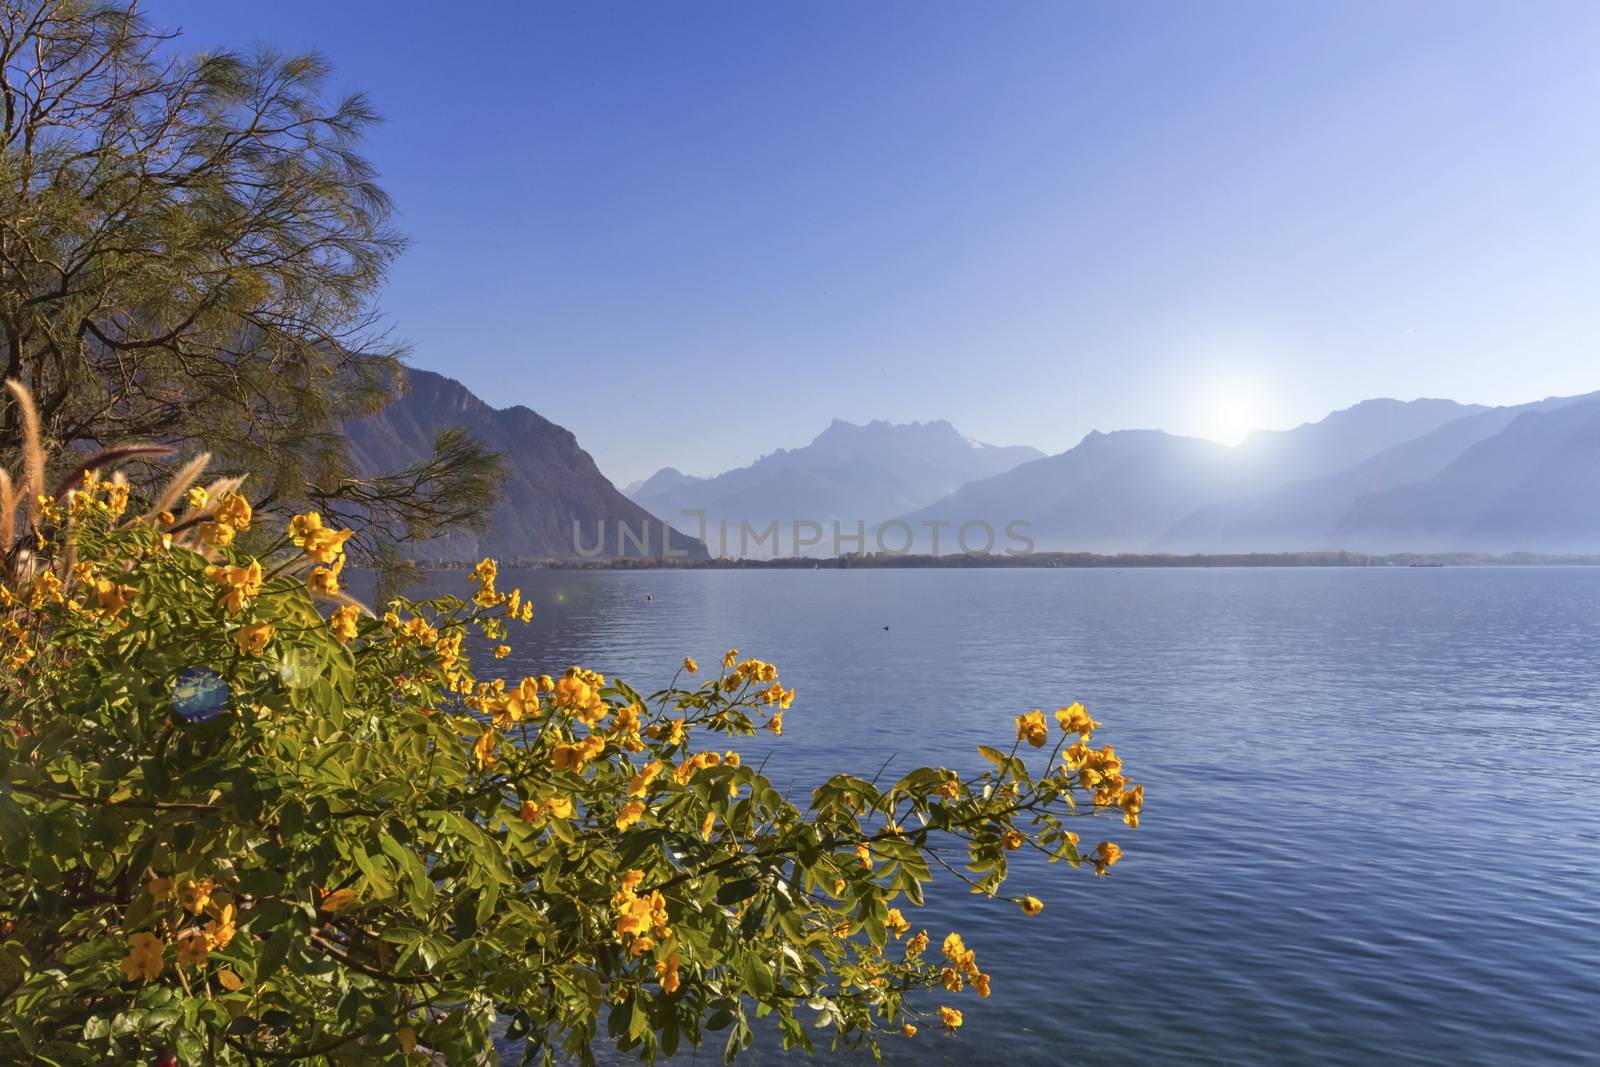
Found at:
<point>1372,827</point>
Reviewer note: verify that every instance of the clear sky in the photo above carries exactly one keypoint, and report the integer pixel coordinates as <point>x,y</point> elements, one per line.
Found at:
<point>694,232</point>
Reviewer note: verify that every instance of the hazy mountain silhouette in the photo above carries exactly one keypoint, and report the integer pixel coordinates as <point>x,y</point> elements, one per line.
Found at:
<point>1344,438</point>
<point>1105,495</point>
<point>550,481</point>
<point>1381,476</point>
<point>1534,486</point>
<point>1305,515</point>
<point>848,474</point>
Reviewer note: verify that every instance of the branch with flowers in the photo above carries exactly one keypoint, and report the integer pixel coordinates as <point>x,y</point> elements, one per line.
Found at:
<point>245,819</point>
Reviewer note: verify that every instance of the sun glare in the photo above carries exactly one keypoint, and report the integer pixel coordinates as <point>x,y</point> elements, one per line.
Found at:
<point>1231,416</point>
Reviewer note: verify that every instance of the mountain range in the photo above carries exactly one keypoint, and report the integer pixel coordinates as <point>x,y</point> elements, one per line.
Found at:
<point>1382,476</point>
<point>848,474</point>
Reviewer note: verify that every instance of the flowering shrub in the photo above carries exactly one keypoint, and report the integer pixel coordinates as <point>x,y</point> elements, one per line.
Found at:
<point>243,819</point>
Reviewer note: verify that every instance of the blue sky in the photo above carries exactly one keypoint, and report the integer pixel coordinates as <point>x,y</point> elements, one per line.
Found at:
<point>695,232</point>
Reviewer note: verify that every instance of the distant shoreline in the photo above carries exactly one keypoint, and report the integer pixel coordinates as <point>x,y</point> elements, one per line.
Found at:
<point>1051,560</point>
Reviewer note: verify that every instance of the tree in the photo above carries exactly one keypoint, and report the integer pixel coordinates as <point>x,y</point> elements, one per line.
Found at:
<point>243,829</point>
<point>189,253</point>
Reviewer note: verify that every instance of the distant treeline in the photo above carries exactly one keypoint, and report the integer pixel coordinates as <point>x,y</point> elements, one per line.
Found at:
<point>1062,559</point>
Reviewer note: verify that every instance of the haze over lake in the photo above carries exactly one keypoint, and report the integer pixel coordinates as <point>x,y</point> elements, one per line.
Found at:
<point>1372,829</point>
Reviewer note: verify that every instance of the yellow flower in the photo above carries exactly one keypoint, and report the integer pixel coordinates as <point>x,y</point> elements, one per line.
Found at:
<point>233,510</point>
<point>1132,803</point>
<point>667,973</point>
<point>1106,854</point>
<point>559,808</point>
<point>918,944</point>
<point>1032,729</point>
<point>731,658</point>
<point>239,584</point>
<point>639,784</point>
<point>896,923</point>
<point>232,516</point>
<point>1011,840</point>
<point>144,959</point>
<point>252,639</point>
<point>216,534</point>
<point>192,947</point>
<point>523,701</point>
<point>483,576</point>
<point>195,894</point>
<point>317,541</point>
<point>197,497</point>
<point>483,749</point>
<point>708,824</point>
<point>325,580</point>
<point>690,665</point>
<point>1031,905</point>
<point>630,814</point>
<point>908,1030</point>
<point>160,889</point>
<point>344,622</point>
<point>220,930</point>
<point>950,1017</point>
<point>113,597</point>
<point>1075,720</point>
<point>980,982</point>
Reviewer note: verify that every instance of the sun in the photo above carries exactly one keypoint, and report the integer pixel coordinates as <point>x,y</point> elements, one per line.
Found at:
<point>1230,415</point>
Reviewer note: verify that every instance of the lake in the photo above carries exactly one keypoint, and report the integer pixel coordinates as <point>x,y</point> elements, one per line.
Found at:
<point>1372,822</point>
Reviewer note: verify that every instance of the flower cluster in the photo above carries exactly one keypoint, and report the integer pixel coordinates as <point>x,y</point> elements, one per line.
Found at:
<point>641,918</point>
<point>1100,770</point>
<point>230,517</point>
<point>196,915</point>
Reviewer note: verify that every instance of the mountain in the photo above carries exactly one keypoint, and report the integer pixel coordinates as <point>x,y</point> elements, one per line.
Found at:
<point>665,480</point>
<point>848,474</point>
<point>1304,515</point>
<point>1344,438</point>
<point>1534,486</point>
<point>1107,494</point>
<point>551,483</point>
<point>1382,476</point>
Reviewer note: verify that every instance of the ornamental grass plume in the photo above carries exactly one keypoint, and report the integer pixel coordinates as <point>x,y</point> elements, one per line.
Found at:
<point>246,819</point>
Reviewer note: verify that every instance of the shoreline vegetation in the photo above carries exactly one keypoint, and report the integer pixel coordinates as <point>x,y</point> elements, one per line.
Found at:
<point>1050,560</point>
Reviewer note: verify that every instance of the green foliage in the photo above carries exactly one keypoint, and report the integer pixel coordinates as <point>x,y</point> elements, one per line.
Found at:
<point>371,851</point>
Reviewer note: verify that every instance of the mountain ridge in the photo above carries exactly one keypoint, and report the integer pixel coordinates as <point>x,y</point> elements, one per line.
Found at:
<point>848,473</point>
<point>551,482</point>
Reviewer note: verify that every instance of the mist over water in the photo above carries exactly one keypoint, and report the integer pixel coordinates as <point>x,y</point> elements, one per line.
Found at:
<point>1372,829</point>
